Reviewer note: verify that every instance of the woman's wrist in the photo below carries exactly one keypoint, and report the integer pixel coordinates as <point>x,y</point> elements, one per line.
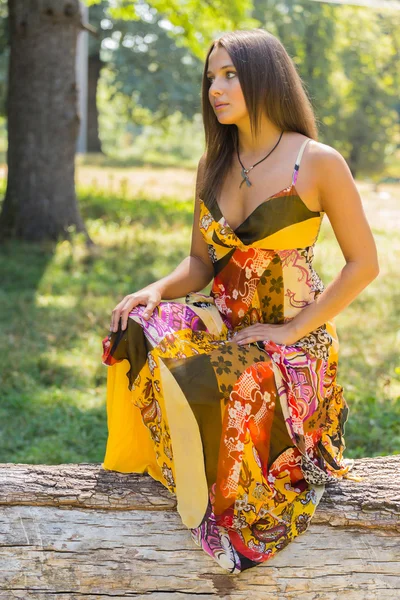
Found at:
<point>157,286</point>
<point>292,332</point>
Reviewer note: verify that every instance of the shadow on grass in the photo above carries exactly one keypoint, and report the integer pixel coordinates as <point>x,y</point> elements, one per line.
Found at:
<point>56,309</point>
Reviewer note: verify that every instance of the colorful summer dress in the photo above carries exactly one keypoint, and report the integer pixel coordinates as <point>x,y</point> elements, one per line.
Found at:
<point>246,437</point>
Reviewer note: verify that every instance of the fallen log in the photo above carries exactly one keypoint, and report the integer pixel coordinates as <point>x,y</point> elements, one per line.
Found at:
<point>76,530</point>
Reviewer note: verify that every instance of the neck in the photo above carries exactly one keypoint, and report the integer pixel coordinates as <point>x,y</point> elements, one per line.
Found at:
<point>250,146</point>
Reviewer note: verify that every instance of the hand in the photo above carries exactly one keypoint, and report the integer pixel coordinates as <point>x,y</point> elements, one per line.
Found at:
<point>278,333</point>
<point>150,297</point>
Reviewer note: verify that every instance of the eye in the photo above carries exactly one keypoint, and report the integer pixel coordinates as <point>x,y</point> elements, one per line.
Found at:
<point>210,78</point>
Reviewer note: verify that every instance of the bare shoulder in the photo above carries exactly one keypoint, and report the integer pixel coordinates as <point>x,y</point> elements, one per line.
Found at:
<point>332,176</point>
<point>325,156</point>
<point>317,162</point>
<point>337,189</point>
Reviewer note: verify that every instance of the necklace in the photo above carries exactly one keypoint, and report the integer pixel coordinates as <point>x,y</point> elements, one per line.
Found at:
<point>245,171</point>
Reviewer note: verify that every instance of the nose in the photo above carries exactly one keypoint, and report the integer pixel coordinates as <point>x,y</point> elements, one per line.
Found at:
<point>215,89</point>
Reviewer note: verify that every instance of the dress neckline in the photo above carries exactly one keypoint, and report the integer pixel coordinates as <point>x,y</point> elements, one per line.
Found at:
<point>288,188</point>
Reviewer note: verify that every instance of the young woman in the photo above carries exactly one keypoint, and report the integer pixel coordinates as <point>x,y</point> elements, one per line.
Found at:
<point>231,400</point>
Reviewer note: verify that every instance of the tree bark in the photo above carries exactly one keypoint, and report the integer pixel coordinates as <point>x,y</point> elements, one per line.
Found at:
<point>74,531</point>
<point>40,201</point>
<point>93,140</point>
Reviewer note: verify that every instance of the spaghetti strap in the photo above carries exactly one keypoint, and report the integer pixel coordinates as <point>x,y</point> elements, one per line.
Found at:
<point>298,160</point>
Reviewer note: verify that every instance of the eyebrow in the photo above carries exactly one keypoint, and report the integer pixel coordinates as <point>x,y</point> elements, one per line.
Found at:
<point>224,67</point>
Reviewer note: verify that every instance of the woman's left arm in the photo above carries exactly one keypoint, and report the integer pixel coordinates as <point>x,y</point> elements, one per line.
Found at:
<point>342,204</point>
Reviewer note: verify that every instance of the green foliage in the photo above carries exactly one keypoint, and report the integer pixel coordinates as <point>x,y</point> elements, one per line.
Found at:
<point>348,58</point>
<point>145,65</point>
<point>367,88</point>
<point>133,135</point>
<point>151,71</point>
<point>152,51</point>
<point>193,23</point>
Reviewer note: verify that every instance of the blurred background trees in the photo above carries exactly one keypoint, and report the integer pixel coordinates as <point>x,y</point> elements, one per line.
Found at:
<point>347,56</point>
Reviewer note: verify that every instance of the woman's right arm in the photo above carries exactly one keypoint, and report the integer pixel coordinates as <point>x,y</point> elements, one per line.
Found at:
<point>192,275</point>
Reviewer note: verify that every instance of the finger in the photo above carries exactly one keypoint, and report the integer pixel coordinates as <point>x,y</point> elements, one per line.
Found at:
<point>255,333</point>
<point>115,318</point>
<point>124,318</point>
<point>246,334</point>
<point>116,314</point>
<point>149,310</point>
<point>248,340</point>
<point>126,310</point>
<point>238,338</point>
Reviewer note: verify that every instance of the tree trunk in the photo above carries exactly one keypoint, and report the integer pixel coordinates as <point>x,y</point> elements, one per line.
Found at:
<point>40,201</point>
<point>93,140</point>
<point>74,531</point>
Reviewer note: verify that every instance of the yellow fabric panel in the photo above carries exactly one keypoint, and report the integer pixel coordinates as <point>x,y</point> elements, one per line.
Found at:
<point>130,448</point>
<point>299,235</point>
<point>331,329</point>
<point>187,448</point>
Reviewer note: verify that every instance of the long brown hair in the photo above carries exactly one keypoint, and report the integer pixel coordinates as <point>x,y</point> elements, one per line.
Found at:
<point>270,83</point>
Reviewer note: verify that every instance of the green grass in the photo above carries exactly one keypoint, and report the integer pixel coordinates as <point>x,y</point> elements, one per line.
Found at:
<point>56,306</point>
<point>368,329</point>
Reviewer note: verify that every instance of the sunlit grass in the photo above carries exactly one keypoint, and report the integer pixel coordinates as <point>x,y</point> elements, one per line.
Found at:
<point>369,332</point>
<point>57,303</point>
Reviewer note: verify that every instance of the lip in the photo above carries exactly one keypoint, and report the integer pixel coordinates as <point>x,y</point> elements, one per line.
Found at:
<point>220,105</point>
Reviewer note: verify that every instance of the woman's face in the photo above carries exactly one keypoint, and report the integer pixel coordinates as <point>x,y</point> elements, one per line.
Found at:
<point>225,88</point>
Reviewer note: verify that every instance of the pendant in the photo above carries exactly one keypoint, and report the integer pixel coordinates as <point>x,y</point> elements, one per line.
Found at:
<point>245,177</point>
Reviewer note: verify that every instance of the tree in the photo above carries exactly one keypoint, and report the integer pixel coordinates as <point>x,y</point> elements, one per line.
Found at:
<point>40,201</point>
<point>94,69</point>
<point>3,54</point>
<point>97,13</point>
